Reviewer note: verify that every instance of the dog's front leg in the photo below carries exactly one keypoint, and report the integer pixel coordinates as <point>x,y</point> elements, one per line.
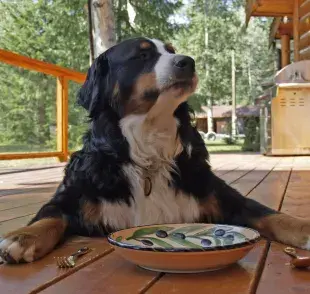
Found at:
<point>236,209</point>
<point>37,239</point>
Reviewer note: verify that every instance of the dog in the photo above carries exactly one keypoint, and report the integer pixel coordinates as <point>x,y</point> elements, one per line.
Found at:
<point>142,162</point>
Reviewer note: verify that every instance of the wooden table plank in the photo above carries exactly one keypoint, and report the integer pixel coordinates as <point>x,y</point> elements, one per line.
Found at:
<point>243,277</point>
<point>236,163</point>
<point>252,179</point>
<point>235,279</point>
<point>14,170</point>
<point>28,199</point>
<point>277,276</point>
<point>226,168</point>
<point>30,175</point>
<point>111,274</point>
<point>19,211</point>
<point>28,196</point>
<point>241,171</point>
<point>34,277</point>
<point>14,223</point>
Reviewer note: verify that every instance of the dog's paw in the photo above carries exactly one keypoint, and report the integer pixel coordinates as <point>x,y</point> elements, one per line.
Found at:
<point>307,244</point>
<point>301,234</point>
<point>31,243</point>
<point>18,248</point>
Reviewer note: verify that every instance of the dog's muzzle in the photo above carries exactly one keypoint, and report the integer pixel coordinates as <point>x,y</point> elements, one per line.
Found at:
<point>183,67</point>
<point>174,69</point>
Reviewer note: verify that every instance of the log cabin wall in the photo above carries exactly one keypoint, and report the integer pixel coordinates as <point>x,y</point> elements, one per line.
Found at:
<point>303,27</point>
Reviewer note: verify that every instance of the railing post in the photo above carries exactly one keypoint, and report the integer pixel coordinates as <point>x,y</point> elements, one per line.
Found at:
<point>62,118</point>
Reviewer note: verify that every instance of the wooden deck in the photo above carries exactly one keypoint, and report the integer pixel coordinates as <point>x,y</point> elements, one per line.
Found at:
<point>281,183</point>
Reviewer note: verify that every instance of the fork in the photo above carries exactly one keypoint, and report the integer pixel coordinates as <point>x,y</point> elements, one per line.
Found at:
<point>67,262</point>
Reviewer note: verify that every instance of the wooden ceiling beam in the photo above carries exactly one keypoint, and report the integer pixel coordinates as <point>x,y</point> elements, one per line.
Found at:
<point>274,29</point>
<point>272,13</point>
<point>269,8</point>
<point>251,5</point>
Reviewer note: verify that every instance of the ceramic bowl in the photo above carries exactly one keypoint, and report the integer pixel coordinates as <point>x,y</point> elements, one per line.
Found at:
<point>184,248</point>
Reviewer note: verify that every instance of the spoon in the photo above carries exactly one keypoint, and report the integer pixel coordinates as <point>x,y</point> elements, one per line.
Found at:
<point>297,261</point>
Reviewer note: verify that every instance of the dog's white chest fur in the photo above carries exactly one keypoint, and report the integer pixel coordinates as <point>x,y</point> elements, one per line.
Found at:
<point>163,205</point>
<point>153,153</point>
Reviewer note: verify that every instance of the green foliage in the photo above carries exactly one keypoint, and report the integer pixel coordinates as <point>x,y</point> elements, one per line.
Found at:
<point>50,30</point>
<point>152,19</point>
<point>224,26</point>
<point>228,130</point>
<point>56,31</point>
<point>252,135</point>
<point>229,140</point>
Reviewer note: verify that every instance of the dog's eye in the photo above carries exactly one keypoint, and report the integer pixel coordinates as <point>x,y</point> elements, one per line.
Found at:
<point>144,55</point>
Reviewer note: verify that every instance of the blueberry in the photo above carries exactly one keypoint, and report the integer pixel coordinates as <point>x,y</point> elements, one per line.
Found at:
<point>230,237</point>
<point>219,232</point>
<point>147,242</point>
<point>179,235</point>
<point>161,234</point>
<point>206,242</point>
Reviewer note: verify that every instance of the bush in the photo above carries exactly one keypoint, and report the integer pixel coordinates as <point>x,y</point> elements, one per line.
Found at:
<point>252,135</point>
<point>229,140</point>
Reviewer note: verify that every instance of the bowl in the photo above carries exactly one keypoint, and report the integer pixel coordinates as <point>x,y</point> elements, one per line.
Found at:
<point>184,248</point>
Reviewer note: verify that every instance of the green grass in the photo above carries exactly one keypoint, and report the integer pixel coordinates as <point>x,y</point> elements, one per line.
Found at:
<point>219,146</point>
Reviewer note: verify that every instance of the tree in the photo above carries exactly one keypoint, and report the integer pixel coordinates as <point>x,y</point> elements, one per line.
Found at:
<point>225,30</point>
<point>102,26</point>
<point>57,31</point>
<point>152,18</point>
<point>52,31</point>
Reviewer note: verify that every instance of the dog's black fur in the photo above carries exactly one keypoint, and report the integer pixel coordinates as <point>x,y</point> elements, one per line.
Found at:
<point>95,173</point>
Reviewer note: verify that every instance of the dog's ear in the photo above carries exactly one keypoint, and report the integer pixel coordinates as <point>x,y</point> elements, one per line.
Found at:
<point>92,93</point>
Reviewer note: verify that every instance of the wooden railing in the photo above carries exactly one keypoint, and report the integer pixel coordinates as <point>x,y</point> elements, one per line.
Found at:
<point>63,76</point>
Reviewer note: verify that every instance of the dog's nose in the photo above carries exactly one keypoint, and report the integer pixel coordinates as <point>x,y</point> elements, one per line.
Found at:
<point>184,62</point>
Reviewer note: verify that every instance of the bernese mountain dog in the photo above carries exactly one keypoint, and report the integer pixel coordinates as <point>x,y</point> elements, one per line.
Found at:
<point>142,161</point>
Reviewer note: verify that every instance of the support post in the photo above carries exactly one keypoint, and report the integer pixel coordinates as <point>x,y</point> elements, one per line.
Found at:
<point>285,50</point>
<point>233,95</point>
<point>296,30</point>
<point>62,118</point>
<point>208,10</point>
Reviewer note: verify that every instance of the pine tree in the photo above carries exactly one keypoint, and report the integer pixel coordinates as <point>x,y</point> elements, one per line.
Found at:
<point>56,31</point>
<point>224,24</point>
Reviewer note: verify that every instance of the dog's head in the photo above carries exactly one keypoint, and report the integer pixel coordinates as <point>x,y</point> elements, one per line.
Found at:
<point>130,76</point>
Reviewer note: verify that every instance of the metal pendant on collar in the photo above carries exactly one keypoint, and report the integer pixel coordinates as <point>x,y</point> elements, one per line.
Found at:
<point>147,186</point>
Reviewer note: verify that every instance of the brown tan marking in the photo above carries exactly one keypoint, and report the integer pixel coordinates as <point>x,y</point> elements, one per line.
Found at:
<point>138,103</point>
<point>210,210</point>
<point>145,45</point>
<point>285,229</point>
<point>170,48</point>
<point>91,213</point>
<point>42,236</point>
<point>161,114</point>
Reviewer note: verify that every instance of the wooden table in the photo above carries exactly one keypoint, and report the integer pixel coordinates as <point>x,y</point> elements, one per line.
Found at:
<point>281,183</point>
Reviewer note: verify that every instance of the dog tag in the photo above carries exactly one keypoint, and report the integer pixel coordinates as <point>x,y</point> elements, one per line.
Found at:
<point>147,186</point>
